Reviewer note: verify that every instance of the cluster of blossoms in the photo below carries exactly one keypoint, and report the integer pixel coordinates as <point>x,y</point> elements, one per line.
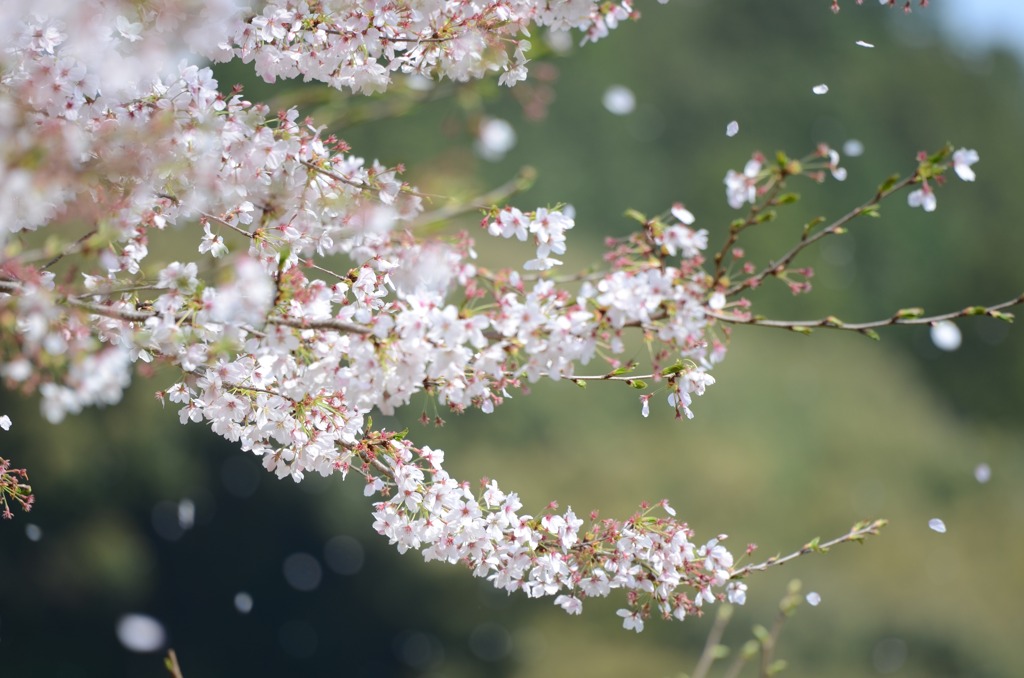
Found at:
<point>553,555</point>
<point>924,197</point>
<point>13,483</point>
<point>111,152</point>
<point>359,45</point>
<point>905,4</point>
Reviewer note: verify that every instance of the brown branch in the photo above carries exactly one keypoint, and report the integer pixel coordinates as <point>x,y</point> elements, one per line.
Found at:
<point>912,316</point>
<point>750,220</point>
<point>69,249</point>
<point>171,664</point>
<point>523,180</point>
<point>857,533</point>
<point>707,656</point>
<point>336,177</point>
<point>807,239</point>
<point>131,315</point>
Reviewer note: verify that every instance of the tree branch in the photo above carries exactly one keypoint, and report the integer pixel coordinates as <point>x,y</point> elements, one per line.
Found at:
<point>906,316</point>
<point>857,533</point>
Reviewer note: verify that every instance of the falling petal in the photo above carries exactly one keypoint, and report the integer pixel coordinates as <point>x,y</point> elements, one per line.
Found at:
<point>33,532</point>
<point>140,633</point>
<point>732,129</point>
<point>619,100</point>
<point>820,89</point>
<point>186,514</point>
<point>861,43</point>
<point>937,525</point>
<point>243,602</point>
<point>853,148</point>
<point>946,335</point>
<point>813,598</point>
<point>495,138</point>
<point>982,473</point>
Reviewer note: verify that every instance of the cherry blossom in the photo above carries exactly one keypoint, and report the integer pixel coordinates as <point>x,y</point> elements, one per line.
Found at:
<point>923,197</point>
<point>312,303</point>
<point>963,158</point>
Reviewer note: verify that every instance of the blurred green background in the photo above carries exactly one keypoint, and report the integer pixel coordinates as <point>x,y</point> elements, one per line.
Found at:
<point>800,437</point>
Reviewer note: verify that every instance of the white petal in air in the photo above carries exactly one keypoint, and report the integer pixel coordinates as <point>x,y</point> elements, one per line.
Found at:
<point>140,633</point>
<point>861,43</point>
<point>496,137</point>
<point>820,89</point>
<point>853,148</point>
<point>682,214</point>
<point>33,532</point>
<point>982,473</point>
<point>946,335</point>
<point>813,598</point>
<point>186,514</point>
<point>937,525</point>
<point>732,129</point>
<point>619,100</point>
<point>243,602</point>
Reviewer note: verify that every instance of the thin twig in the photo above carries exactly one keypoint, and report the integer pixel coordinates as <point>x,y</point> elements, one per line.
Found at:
<point>69,249</point>
<point>736,229</point>
<point>522,181</point>
<point>131,315</point>
<point>903,317</point>
<point>808,239</point>
<point>707,656</point>
<point>171,664</point>
<point>857,533</point>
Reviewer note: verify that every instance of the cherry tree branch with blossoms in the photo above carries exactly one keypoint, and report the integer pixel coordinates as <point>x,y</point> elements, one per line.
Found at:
<point>13,483</point>
<point>113,145</point>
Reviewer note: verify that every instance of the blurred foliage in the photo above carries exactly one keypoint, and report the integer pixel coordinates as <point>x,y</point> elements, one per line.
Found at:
<point>802,436</point>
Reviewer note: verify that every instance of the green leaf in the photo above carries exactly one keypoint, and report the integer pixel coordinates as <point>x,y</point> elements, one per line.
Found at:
<point>870,211</point>
<point>776,666</point>
<point>720,651</point>
<point>1000,315</point>
<point>913,312</point>
<point>941,154</point>
<point>628,367</point>
<point>787,198</point>
<point>636,216</point>
<point>675,368</point>
<point>761,633</point>
<point>800,329</point>
<point>888,183</point>
<point>637,383</point>
<point>871,334</point>
<point>765,216</point>
<point>580,382</point>
<point>812,223</point>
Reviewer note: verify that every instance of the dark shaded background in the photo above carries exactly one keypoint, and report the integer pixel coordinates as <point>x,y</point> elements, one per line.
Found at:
<point>800,437</point>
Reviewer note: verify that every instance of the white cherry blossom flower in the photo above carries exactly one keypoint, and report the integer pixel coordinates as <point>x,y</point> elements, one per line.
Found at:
<point>923,197</point>
<point>963,158</point>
